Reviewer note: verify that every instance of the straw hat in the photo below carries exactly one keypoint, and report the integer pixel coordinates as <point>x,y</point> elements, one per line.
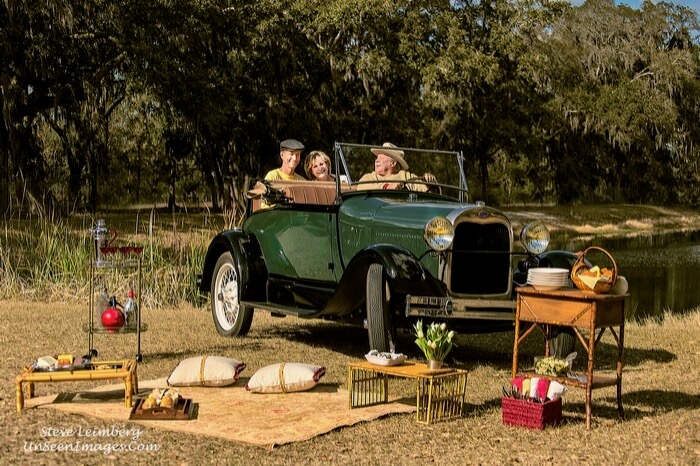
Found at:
<point>393,152</point>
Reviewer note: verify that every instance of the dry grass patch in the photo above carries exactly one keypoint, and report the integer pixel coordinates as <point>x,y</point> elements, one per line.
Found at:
<point>608,219</point>
<point>598,229</point>
<point>638,225</point>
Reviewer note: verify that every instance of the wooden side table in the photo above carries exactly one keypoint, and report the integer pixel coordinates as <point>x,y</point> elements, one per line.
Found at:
<point>439,393</point>
<point>580,311</point>
<point>104,370</point>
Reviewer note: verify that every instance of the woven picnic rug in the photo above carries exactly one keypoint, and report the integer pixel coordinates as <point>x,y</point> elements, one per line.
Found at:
<point>232,413</point>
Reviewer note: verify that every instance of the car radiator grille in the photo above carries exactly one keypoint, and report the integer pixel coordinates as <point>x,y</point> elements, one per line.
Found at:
<point>480,262</point>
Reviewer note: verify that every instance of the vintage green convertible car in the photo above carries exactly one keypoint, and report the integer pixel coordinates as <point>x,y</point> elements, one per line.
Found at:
<point>377,257</point>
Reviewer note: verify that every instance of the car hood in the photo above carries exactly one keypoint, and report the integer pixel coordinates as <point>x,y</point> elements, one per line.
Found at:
<point>401,211</point>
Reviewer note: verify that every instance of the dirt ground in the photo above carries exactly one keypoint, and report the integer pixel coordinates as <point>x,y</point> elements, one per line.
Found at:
<point>660,395</point>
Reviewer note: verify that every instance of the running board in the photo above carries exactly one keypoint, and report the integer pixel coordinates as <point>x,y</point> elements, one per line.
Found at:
<point>280,309</point>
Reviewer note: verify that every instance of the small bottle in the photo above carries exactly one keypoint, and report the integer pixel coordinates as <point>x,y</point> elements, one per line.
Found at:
<point>101,304</point>
<point>130,309</point>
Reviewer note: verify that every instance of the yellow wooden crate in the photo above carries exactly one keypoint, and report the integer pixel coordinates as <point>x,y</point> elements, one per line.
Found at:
<point>439,394</point>
<point>441,397</point>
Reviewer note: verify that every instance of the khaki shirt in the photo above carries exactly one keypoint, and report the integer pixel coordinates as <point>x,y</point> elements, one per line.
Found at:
<point>382,180</point>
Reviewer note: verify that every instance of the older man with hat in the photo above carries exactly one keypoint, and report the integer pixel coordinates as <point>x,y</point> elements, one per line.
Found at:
<point>391,171</point>
<point>290,153</point>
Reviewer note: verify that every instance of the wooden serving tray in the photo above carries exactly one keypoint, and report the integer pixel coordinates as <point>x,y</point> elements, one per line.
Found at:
<point>182,411</point>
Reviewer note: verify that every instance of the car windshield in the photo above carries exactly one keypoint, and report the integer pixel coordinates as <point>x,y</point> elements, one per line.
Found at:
<point>354,160</point>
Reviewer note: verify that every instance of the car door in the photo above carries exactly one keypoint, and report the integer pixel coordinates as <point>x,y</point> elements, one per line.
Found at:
<point>306,243</point>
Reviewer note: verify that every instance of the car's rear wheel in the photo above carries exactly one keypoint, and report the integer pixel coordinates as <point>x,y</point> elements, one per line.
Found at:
<point>231,319</point>
<point>378,324</point>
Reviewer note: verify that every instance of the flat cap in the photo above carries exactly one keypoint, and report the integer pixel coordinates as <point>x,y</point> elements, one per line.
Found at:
<point>291,144</point>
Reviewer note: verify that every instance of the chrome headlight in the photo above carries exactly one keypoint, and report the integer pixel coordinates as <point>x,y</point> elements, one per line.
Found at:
<point>439,234</point>
<point>535,238</point>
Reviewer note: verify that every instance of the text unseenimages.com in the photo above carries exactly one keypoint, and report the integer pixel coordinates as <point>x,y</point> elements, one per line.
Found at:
<point>78,446</point>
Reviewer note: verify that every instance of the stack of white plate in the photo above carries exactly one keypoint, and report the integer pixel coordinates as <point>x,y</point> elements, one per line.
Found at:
<point>548,279</point>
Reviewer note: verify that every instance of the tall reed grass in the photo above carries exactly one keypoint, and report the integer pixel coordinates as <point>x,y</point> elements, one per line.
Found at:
<point>43,258</point>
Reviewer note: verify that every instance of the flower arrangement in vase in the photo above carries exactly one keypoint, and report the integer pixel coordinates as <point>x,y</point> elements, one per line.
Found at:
<point>435,342</point>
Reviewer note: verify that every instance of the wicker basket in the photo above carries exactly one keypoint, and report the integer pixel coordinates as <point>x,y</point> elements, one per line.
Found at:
<point>582,265</point>
<point>524,413</point>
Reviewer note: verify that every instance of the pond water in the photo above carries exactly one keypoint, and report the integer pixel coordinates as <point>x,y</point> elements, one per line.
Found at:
<point>663,270</point>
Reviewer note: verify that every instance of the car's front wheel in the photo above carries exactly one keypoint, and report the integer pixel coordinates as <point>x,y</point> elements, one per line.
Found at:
<point>231,319</point>
<point>378,324</point>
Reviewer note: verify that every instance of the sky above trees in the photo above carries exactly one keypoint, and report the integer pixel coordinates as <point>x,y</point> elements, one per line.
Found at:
<point>694,4</point>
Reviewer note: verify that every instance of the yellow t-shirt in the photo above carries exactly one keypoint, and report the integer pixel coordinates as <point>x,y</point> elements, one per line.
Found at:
<point>279,175</point>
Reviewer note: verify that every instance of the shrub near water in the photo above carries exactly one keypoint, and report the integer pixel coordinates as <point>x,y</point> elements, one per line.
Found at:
<point>40,258</point>
<point>46,259</point>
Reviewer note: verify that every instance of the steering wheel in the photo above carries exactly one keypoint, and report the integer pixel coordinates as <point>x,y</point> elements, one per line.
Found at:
<point>432,186</point>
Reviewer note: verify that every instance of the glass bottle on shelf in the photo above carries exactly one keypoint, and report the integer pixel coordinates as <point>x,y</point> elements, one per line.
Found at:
<point>130,309</point>
<point>101,305</point>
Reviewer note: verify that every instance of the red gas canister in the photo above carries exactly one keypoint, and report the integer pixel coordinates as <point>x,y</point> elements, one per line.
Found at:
<point>112,317</point>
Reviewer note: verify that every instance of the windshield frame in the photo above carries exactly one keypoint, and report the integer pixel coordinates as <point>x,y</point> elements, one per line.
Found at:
<point>342,166</point>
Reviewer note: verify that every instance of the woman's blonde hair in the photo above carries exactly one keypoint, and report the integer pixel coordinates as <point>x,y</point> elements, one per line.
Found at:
<point>310,161</point>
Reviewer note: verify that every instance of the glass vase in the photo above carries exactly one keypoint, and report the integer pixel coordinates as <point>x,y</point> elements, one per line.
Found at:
<point>434,364</point>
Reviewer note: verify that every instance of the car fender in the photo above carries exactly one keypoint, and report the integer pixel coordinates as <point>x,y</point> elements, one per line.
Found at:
<point>405,275</point>
<point>247,258</point>
<point>559,259</point>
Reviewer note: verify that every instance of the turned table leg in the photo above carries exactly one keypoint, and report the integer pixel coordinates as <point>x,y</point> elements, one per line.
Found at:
<point>127,391</point>
<point>620,351</point>
<point>135,381</point>
<point>589,372</point>
<point>20,396</point>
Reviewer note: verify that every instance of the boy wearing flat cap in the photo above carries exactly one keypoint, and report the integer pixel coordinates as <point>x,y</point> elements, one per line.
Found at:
<point>290,153</point>
<point>391,172</point>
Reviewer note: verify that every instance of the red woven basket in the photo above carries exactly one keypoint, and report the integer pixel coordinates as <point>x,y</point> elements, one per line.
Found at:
<point>524,413</point>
